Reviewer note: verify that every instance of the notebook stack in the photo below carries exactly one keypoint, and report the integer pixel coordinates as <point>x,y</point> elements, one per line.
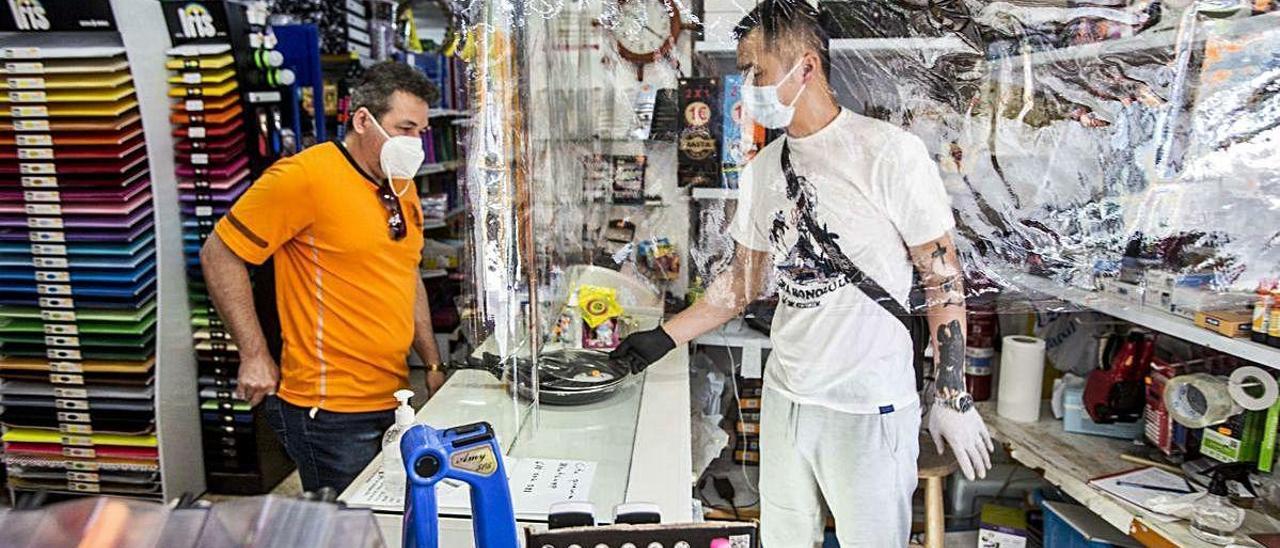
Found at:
<point>77,273</point>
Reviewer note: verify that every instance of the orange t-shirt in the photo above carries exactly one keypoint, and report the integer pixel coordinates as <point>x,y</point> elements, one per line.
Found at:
<point>344,288</point>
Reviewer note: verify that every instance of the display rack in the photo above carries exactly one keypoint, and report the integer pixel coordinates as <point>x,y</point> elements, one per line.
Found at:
<point>226,123</point>
<point>89,360</point>
<point>1145,316</point>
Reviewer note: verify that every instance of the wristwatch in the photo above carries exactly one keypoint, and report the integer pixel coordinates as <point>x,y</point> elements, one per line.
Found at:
<point>959,401</point>
<point>434,367</point>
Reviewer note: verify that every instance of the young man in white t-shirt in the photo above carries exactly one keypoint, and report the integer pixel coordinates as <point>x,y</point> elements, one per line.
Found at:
<point>840,417</point>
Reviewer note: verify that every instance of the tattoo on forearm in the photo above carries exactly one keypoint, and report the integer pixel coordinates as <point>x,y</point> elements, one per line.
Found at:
<point>950,359</point>
<point>943,282</point>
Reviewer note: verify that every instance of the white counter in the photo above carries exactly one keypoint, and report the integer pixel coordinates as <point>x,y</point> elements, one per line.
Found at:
<point>642,451</point>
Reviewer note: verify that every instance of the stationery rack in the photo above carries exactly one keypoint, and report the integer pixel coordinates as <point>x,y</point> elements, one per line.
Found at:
<point>227,127</point>
<point>78,278</point>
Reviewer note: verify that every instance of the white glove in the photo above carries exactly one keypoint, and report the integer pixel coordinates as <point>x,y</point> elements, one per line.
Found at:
<point>966,434</point>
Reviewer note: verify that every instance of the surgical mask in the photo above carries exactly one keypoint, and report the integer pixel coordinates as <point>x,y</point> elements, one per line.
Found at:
<point>401,156</point>
<point>763,105</point>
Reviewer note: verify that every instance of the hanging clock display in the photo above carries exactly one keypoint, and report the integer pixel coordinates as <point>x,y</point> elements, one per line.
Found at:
<point>646,31</point>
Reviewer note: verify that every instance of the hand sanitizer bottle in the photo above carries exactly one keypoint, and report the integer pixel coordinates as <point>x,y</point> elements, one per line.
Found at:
<point>393,475</point>
<point>1214,518</point>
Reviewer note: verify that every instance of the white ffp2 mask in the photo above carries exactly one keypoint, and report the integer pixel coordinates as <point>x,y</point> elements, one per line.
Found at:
<point>401,156</point>
<point>764,106</point>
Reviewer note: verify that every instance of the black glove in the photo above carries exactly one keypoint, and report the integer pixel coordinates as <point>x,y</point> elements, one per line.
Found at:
<point>639,350</point>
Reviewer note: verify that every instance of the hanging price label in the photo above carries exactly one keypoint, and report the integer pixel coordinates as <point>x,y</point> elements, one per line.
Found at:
<point>42,209</point>
<point>35,140</point>
<point>37,169</point>
<point>35,154</point>
<point>46,236</point>
<point>204,211</point>
<point>31,125</point>
<point>48,262</point>
<point>63,354</point>
<point>70,393</point>
<point>82,476</point>
<point>22,53</point>
<point>78,405</point>
<point>58,315</point>
<point>84,487</point>
<point>79,441</point>
<point>40,182</point>
<point>196,132</point>
<point>191,77</point>
<point>200,159</point>
<point>79,452</point>
<point>66,378</point>
<point>28,96</point>
<point>24,68</point>
<point>82,465</point>
<point>72,416</point>
<point>66,367</point>
<point>45,222</point>
<point>52,276</point>
<point>41,196</point>
<point>53,289</point>
<point>30,82</point>
<point>194,105</point>
<point>59,250</point>
<point>29,111</point>
<point>61,329</point>
<point>61,340</point>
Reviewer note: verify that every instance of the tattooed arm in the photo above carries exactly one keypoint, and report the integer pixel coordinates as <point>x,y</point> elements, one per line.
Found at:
<point>943,280</point>
<point>952,417</point>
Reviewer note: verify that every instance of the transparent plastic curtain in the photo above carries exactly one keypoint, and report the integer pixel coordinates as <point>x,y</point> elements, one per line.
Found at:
<point>1075,138</point>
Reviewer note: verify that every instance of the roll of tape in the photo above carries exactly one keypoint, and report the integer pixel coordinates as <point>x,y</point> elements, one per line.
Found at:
<point>1253,388</point>
<point>1199,400</point>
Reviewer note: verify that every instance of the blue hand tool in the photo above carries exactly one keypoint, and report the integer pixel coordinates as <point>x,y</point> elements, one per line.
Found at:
<point>466,453</point>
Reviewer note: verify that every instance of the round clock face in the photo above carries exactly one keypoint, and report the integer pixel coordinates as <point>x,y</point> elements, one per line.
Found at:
<point>644,27</point>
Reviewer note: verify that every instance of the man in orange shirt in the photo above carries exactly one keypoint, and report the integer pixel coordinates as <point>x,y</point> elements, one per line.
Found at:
<point>344,224</point>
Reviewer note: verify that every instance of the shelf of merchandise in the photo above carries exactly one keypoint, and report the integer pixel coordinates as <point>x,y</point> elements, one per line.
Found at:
<point>1146,316</point>
<point>1166,38</point>
<point>439,167</point>
<point>1069,461</point>
<point>715,194</point>
<point>860,46</point>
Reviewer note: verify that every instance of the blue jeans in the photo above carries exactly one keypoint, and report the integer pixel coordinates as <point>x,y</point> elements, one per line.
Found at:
<point>332,448</point>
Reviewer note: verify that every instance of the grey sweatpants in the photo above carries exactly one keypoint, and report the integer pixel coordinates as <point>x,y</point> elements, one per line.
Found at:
<point>862,466</point>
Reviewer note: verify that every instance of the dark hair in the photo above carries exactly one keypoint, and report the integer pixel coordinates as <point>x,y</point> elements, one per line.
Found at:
<point>381,80</point>
<point>785,20</point>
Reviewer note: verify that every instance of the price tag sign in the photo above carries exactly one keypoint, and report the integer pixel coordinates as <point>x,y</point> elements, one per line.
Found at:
<point>46,237</point>
<point>29,111</point>
<point>43,209</point>
<point>71,416</point>
<point>22,53</point>
<point>39,182</point>
<point>196,132</point>
<point>45,222</point>
<point>82,465</point>
<point>194,105</point>
<point>53,289</point>
<point>76,405</point>
<point>82,476</point>
<point>28,96</point>
<point>58,250</point>
<point>200,159</point>
<point>61,340</point>
<point>48,262</point>
<point>24,68</point>
<point>30,82</point>
<point>66,367</point>
<point>35,154</point>
<point>79,452</point>
<point>81,429</point>
<point>66,378</point>
<point>35,140</point>
<point>61,329</point>
<point>58,315</point>
<point>31,125</point>
<point>191,78</point>
<point>83,487</point>
<point>37,169</point>
<point>63,354</point>
<point>70,393</point>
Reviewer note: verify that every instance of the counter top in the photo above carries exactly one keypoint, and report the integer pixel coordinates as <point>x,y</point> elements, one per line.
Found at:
<point>642,448</point>
<point>1069,461</point>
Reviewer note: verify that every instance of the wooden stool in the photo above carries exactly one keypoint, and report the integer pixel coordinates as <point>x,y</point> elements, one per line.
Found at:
<point>932,470</point>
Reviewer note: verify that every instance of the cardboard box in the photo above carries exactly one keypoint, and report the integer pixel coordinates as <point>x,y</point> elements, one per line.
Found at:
<point>1002,527</point>
<point>1232,323</point>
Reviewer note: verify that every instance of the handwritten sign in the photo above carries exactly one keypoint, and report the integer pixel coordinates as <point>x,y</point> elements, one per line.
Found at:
<point>536,484</point>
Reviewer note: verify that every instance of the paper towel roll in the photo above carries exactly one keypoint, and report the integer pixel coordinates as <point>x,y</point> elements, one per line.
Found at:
<point>1021,375</point>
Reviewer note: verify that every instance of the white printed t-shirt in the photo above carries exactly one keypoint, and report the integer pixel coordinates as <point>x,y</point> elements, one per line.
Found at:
<point>870,187</point>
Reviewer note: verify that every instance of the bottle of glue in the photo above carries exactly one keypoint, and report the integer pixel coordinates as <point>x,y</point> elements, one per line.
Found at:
<point>393,474</point>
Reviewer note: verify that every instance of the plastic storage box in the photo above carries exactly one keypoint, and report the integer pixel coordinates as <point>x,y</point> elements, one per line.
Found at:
<point>1074,526</point>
